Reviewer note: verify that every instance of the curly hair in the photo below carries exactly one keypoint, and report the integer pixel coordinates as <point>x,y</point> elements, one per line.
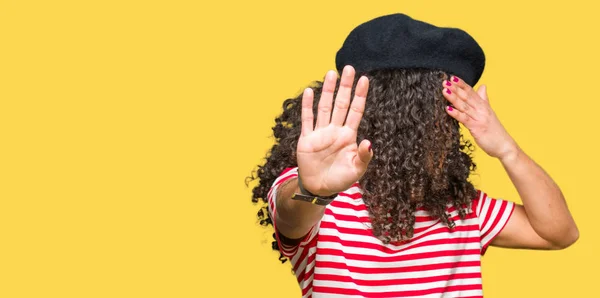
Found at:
<point>421,159</point>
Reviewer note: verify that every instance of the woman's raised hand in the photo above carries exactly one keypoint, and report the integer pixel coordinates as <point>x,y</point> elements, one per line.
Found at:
<point>472,109</point>
<point>329,159</point>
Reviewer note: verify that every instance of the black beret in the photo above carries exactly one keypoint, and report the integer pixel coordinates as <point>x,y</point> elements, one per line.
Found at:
<point>398,41</point>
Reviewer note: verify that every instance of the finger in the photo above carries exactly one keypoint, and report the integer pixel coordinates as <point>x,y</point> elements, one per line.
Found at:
<point>364,156</point>
<point>324,109</point>
<point>357,108</point>
<point>458,103</point>
<point>466,92</point>
<point>307,111</point>
<point>458,115</point>
<point>342,99</point>
<point>482,91</point>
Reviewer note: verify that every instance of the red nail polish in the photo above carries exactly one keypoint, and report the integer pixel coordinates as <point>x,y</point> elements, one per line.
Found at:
<point>455,79</point>
<point>370,147</point>
<point>448,91</point>
<point>448,83</point>
<point>450,108</point>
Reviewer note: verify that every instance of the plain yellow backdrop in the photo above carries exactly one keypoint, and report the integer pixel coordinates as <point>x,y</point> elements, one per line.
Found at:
<point>127,129</point>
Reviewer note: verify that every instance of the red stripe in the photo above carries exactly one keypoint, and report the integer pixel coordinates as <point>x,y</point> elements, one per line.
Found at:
<point>333,290</point>
<point>346,205</point>
<point>354,196</point>
<point>406,257</point>
<point>398,281</point>
<point>365,270</point>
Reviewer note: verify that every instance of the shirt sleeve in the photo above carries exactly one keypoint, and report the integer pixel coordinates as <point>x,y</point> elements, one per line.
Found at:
<point>287,250</point>
<point>493,215</point>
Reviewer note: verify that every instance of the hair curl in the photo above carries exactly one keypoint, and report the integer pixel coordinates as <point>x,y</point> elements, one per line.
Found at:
<point>420,157</point>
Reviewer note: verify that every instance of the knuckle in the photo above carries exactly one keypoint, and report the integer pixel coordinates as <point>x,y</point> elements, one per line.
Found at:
<point>324,108</point>
<point>357,110</point>
<point>342,105</point>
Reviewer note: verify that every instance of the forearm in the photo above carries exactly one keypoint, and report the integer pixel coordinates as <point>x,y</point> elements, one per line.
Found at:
<point>295,218</point>
<point>543,200</point>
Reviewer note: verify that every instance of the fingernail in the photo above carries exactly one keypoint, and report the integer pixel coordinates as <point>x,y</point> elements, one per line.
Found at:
<point>448,83</point>
<point>370,147</point>
<point>455,79</point>
<point>448,91</point>
<point>450,108</point>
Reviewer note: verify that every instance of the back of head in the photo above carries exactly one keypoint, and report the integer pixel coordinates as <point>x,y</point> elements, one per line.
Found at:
<point>420,160</point>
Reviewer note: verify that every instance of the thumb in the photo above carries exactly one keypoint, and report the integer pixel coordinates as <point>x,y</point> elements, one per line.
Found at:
<point>365,153</point>
<point>482,91</point>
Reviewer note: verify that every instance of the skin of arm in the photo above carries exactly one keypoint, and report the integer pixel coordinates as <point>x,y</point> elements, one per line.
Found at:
<point>544,220</point>
<point>295,218</point>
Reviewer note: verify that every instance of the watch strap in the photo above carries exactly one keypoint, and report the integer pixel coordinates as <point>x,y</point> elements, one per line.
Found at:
<point>313,199</point>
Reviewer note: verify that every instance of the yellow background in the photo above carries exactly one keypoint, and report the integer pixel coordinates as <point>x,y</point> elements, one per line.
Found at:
<point>127,129</point>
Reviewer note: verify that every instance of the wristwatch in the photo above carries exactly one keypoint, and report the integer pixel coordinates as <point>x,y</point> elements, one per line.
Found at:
<point>307,196</point>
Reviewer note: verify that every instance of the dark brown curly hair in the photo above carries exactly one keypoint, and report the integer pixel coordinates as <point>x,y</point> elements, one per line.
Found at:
<point>420,157</point>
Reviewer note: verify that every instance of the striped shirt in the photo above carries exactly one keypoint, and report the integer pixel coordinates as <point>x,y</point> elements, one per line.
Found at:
<point>340,257</point>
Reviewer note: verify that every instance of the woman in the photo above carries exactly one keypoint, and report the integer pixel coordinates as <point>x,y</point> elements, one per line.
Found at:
<point>370,197</point>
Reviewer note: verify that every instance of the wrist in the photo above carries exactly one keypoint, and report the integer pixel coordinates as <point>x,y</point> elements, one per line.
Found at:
<point>511,155</point>
<point>307,192</point>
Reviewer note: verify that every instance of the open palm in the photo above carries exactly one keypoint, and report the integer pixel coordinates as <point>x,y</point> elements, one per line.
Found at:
<point>329,159</point>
